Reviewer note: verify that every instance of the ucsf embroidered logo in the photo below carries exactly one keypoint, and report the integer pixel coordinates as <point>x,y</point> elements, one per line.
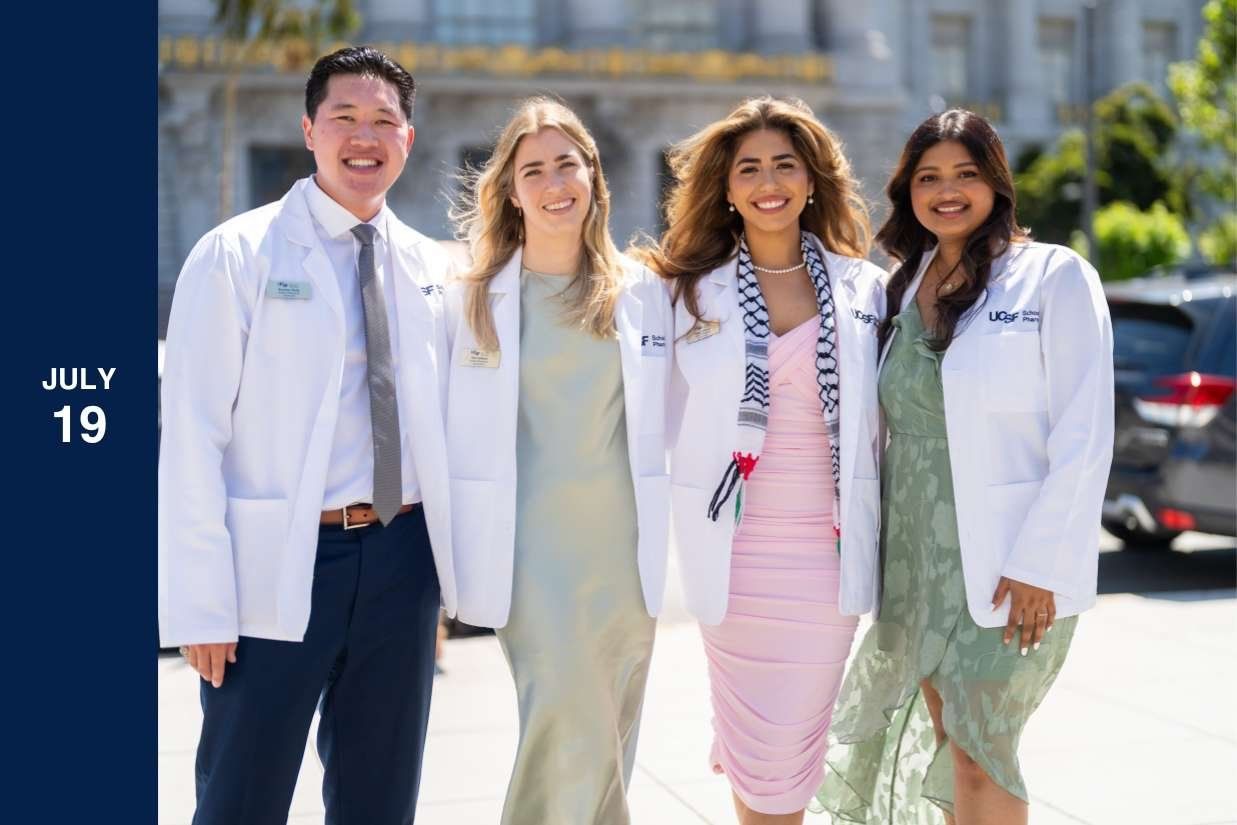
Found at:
<point>864,317</point>
<point>1027,316</point>
<point>654,345</point>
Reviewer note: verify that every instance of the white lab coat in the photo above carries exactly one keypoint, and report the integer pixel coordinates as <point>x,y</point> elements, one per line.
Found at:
<point>705,391</point>
<point>482,405</point>
<point>250,398</point>
<point>1028,389</point>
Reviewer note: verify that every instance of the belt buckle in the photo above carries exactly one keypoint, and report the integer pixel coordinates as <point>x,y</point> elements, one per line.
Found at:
<point>348,526</point>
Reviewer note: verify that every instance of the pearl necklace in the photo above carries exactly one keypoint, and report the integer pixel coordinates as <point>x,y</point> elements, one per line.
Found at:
<point>768,271</point>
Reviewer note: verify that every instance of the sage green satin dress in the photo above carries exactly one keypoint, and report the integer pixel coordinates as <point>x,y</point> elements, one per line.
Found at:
<point>579,639</point>
<point>884,764</point>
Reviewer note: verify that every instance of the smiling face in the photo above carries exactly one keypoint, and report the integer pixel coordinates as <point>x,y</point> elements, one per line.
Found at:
<point>948,194</point>
<point>360,140</point>
<point>768,182</point>
<point>553,185</point>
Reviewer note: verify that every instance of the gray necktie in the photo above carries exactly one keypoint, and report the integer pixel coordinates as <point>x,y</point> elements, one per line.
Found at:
<point>383,408</point>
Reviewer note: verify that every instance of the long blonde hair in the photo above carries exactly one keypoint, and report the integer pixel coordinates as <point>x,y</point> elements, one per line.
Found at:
<point>489,223</point>
<point>703,232</point>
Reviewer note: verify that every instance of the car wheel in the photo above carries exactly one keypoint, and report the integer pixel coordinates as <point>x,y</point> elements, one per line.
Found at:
<point>1139,539</point>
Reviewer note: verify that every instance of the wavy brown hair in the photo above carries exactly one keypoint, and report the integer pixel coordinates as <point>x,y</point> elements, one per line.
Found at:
<point>906,240</point>
<point>493,228</point>
<point>703,233</point>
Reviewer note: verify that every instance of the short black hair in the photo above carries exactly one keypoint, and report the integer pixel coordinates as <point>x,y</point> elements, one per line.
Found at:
<point>361,60</point>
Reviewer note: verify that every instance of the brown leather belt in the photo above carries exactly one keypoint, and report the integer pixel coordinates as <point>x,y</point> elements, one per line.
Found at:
<point>356,515</point>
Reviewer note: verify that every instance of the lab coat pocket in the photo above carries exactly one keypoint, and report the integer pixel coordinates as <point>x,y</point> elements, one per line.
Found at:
<point>703,549</point>
<point>259,531</point>
<point>1014,372</point>
<point>1008,505</point>
<point>690,508</point>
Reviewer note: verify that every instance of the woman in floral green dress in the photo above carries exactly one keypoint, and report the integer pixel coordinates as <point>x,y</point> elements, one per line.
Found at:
<point>996,391</point>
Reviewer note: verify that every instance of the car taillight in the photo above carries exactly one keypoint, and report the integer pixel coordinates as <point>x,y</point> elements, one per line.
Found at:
<point>1187,400</point>
<point>1172,519</point>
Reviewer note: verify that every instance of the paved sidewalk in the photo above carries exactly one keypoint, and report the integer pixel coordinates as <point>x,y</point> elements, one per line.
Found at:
<point>1141,726</point>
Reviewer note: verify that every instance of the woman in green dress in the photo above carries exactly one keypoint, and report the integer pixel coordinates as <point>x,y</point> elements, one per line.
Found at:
<point>996,393</point>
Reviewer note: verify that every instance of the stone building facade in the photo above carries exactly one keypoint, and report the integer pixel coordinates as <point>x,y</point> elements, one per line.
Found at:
<point>644,74</point>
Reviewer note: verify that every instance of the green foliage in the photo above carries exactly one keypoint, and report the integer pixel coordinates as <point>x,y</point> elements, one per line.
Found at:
<point>277,19</point>
<point>298,28</point>
<point>1049,189</point>
<point>1137,130</point>
<point>1218,242</point>
<point>1132,241</point>
<point>1206,93</point>
<point>1205,87</point>
<point>1134,130</point>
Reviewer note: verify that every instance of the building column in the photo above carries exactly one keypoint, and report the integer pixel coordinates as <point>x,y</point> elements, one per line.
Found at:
<point>918,73</point>
<point>862,54</point>
<point>189,164</point>
<point>781,26</point>
<point>631,159</point>
<point>1125,50</point>
<point>1024,102</point>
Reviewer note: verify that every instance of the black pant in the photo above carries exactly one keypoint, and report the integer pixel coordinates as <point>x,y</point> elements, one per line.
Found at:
<point>367,662</point>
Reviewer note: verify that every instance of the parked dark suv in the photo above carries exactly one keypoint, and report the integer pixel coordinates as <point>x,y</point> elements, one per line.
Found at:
<point>1175,457</point>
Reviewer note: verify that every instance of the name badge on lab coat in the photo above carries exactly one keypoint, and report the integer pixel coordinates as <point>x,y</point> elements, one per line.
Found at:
<point>487,358</point>
<point>292,290</point>
<point>703,329</point>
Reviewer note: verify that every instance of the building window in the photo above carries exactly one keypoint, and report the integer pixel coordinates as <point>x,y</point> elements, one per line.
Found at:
<point>1056,60</point>
<point>677,25</point>
<point>273,170</point>
<point>1159,50</point>
<point>485,22</point>
<point>951,56</point>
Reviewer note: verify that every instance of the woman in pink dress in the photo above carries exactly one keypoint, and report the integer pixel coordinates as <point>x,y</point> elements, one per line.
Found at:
<point>773,426</point>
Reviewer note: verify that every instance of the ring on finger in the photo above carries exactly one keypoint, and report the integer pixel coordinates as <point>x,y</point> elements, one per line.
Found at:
<point>184,651</point>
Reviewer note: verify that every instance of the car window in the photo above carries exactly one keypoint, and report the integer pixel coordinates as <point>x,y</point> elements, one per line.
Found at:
<point>1218,354</point>
<point>1149,339</point>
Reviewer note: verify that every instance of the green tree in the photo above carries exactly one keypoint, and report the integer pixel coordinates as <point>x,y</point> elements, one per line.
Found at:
<point>1206,91</point>
<point>292,32</point>
<point>1132,241</point>
<point>1218,242</point>
<point>1135,130</point>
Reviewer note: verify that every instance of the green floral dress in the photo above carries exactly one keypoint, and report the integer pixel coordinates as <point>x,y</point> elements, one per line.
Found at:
<point>884,760</point>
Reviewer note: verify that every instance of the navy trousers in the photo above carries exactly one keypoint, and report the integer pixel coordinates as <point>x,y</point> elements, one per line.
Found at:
<point>367,664</point>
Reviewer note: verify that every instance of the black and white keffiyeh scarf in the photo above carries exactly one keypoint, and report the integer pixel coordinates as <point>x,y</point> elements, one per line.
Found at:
<point>754,405</point>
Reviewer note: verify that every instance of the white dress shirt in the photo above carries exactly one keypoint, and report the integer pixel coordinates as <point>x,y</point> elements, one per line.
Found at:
<point>350,472</point>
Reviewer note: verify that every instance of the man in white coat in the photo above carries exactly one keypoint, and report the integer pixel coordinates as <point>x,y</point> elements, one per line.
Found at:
<point>304,529</point>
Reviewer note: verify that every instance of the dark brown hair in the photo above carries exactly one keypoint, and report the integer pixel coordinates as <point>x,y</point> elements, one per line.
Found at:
<point>906,240</point>
<point>703,233</point>
<point>360,60</point>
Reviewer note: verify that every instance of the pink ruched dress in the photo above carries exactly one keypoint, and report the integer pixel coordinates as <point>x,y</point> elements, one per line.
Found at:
<point>776,660</point>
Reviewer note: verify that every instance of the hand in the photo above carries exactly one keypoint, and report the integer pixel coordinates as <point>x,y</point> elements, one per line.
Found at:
<point>1032,607</point>
<point>209,660</point>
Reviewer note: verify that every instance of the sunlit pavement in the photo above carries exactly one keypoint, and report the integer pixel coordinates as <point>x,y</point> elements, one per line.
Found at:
<point>1141,726</point>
